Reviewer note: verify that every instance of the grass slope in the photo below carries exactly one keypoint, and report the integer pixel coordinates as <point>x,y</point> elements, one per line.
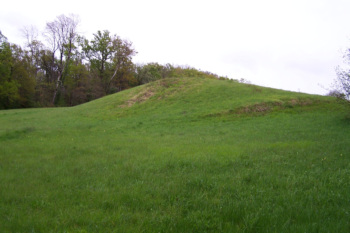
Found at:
<point>178,155</point>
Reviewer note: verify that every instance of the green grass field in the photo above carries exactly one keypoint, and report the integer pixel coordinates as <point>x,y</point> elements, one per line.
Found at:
<point>178,155</point>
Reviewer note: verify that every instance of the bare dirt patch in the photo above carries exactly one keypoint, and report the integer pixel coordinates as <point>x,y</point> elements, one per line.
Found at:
<point>260,108</point>
<point>296,102</point>
<point>265,107</point>
<point>139,98</point>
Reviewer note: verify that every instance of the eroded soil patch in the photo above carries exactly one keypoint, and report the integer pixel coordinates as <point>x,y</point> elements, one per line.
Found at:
<point>139,98</point>
<point>266,107</point>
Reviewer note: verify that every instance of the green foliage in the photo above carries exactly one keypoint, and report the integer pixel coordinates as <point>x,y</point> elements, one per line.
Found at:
<point>17,78</point>
<point>161,158</point>
<point>77,83</point>
<point>5,60</point>
<point>23,72</point>
<point>110,57</point>
<point>8,87</point>
<point>8,94</point>
<point>100,51</point>
<point>153,71</point>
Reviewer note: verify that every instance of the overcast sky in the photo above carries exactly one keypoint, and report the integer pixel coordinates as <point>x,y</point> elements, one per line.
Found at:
<point>286,44</point>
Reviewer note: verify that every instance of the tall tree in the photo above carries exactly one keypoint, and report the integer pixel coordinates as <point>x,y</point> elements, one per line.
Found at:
<point>33,45</point>
<point>62,37</point>
<point>110,57</point>
<point>8,87</point>
<point>344,76</point>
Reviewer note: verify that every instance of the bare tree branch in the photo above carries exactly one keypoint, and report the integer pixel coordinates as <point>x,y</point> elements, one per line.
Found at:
<point>62,35</point>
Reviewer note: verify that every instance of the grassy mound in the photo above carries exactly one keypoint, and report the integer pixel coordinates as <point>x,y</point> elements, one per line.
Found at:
<point>178,155</point>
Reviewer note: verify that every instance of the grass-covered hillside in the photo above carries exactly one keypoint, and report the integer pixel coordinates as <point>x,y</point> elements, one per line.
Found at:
<point>178,155</point>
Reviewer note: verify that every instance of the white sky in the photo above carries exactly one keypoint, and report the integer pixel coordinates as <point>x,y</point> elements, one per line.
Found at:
<point>286,44</point>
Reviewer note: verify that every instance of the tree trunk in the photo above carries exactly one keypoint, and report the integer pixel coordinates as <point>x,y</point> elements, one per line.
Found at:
<point>111,79</point>
<point>56,89</point>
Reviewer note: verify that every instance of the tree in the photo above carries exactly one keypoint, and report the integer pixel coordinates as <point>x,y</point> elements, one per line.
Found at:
<point>149,72</point>
<point>23,72</point>
<point>34,46</point>
<point>110,57</point>
<point>8,87</point>
<point>62,37</point>
<point>343,76</point>
<point>17,76</point>
<point>5,58</point>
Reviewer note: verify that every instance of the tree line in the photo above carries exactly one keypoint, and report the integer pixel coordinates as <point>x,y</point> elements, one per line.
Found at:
<point>66,69</point>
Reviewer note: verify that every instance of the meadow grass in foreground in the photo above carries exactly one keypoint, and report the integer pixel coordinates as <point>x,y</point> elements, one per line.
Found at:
<point>178,155</point>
